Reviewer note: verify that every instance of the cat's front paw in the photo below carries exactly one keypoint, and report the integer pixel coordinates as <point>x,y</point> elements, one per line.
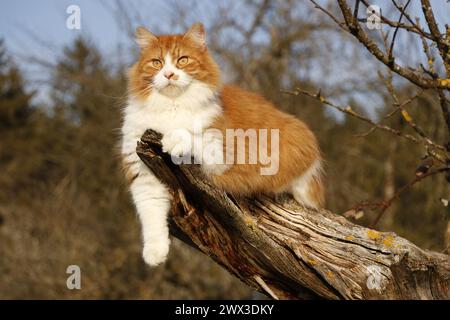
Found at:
<point>155,253</point>
<point>214,162</point>
<point>215,169</point>
<point>213,157</point>
<point>177,143</point>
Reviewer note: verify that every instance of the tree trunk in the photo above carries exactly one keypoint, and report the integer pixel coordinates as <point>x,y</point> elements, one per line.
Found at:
<point>291,252</point>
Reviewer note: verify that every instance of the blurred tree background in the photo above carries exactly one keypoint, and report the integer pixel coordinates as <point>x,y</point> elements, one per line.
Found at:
<point>63,200</point>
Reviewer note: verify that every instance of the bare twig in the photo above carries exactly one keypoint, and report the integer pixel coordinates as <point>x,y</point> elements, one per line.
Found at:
<point>355,11</point>
<point>433,147</point>
<point>399,107</point>
<point>411,75</point>
<point>414,28</point>
<point>431,71</point>
<point>435,33</point>
<point>391,48</point>
<point>341,24</point>
<point>385,204</point>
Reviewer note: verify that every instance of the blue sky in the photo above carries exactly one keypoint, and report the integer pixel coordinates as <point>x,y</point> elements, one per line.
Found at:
<point>46,19</point>
<point>38,28</point>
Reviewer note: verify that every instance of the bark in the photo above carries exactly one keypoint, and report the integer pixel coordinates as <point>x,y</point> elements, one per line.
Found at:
<point>291,252</point>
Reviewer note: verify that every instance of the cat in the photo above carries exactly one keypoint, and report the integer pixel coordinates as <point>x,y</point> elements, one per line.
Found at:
<point>175,85</point>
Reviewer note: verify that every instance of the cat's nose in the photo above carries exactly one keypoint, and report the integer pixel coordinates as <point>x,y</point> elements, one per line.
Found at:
<point>169,74</point>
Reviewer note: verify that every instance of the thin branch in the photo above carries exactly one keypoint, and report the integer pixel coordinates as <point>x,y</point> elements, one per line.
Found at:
<point>356,30</point>
<point>415,25</point>
<point>432,147</point>
<point>404,104</point>
<point>414,28</point>
<point>435,33</point>
<point>365,134</point>
<point>355,12</point>
<point>341,24</point>
<point>397,107</point>
<point>391,48</point>
<point>384,205</point>
<point>406,116</point>
<point>443,101</point>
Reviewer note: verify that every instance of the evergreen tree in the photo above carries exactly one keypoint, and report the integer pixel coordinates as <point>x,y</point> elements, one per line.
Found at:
<point>14,101</point>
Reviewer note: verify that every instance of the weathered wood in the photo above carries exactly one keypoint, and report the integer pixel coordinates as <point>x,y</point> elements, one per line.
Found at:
<point>291,252</point>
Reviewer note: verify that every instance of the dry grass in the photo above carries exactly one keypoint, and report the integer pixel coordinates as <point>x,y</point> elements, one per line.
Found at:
<point>41,236</point>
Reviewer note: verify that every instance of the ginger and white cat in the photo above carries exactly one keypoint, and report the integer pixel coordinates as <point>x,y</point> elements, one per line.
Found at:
<point>176,85</point>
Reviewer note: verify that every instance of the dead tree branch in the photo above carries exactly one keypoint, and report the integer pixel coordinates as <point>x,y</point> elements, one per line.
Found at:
<point>291,252</point>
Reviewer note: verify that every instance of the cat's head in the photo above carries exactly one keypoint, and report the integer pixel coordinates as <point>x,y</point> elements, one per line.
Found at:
<point>169,64</point>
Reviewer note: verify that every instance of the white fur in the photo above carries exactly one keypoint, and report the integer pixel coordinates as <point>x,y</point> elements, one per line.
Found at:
<point>213,157</point>
<point>300,187</point>
<point>187,103</point>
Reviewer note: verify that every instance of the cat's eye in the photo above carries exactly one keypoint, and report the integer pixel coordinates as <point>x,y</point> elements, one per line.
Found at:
<point>183,61</point>
<point>155,63</point>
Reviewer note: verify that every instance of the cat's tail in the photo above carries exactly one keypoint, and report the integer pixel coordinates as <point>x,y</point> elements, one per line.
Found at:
<point>308,189</point>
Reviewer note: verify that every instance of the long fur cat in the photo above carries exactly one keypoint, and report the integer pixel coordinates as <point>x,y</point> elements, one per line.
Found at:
<point>175,85</point>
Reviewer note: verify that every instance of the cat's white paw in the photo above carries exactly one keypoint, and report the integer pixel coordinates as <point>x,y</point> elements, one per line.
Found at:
<point>216,169</point>
<point>155,253</point>
<point>213,157</point>
<point>177,143</point>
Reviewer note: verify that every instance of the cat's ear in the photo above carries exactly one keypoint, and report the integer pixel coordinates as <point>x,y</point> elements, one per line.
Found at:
<point>144,37</point>
<point>197,35</point>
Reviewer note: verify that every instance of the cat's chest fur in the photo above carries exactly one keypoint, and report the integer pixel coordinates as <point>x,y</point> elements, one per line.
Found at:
<point>195,108</point>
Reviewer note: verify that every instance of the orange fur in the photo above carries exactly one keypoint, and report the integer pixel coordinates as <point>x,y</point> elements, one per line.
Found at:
<point>298,146</point>
<point>317,190</point>
<point>201,66</point>
<point>241,110</point>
